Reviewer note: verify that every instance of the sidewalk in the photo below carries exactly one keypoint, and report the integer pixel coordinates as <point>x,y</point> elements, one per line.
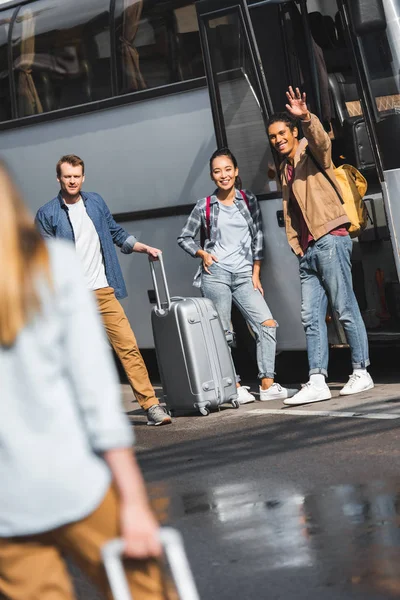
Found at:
<point>382,402</point>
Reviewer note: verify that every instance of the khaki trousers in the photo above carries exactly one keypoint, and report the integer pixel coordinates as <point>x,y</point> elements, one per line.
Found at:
<point>32,568</point>
<point>123,341</point>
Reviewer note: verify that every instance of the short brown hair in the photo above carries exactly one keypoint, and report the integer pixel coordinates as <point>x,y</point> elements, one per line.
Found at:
<point>71,159</point>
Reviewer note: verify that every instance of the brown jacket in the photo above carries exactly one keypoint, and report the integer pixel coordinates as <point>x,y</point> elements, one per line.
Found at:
<point>318,201</point>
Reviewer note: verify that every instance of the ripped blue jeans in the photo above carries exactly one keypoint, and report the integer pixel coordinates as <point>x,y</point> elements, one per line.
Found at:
<point>325,274</point>
<point>223,287</point>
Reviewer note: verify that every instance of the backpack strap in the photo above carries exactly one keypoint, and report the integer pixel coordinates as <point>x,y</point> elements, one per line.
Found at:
<point>205,231</point>
<point>208,216</point>
<point>324,173</point>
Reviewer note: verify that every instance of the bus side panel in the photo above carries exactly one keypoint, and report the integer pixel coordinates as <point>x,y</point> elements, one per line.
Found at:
<point>140,156</point>
<point>280,279</point>
<point>149,155</point>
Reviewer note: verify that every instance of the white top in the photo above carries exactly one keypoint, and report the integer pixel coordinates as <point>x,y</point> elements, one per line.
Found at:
<point>87,245</point>
<point>60,407</point>
<point>233,244</point>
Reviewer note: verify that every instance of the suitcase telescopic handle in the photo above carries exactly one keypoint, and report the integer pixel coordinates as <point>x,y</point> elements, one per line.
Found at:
<point>160,309</point>
<point>175,554</point>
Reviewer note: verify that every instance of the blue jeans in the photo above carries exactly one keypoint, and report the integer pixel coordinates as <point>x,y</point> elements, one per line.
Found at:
<point>325,273</point>
<point>223,287</point>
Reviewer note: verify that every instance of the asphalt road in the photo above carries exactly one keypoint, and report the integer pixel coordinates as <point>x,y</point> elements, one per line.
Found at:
<point>282,504</point>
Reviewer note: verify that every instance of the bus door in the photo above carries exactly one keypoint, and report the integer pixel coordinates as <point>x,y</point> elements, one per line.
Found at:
<point>241,104</point>
<point>358,41</point>
<point>373,34</point>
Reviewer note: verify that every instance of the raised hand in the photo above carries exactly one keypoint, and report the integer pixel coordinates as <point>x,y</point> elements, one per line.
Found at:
<point>297,106</point>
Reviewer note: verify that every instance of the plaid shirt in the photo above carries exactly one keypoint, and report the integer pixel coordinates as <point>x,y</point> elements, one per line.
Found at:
<point>197,221</point>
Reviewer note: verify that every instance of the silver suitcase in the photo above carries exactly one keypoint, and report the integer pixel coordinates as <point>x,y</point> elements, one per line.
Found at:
<point>174,553</point>
<point>194,360</point>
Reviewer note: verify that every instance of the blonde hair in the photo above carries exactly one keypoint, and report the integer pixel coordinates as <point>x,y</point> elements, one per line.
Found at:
<point>23,258</point>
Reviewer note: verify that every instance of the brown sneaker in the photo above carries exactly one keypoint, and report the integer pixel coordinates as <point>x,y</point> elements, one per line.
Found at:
<point>157,415</point>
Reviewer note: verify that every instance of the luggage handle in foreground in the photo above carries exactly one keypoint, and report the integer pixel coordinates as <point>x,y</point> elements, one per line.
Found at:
<point>175,553</point>
<point>165,284</point>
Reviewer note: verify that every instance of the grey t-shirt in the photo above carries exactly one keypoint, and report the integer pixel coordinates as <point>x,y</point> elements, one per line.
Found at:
<point>233,245</point>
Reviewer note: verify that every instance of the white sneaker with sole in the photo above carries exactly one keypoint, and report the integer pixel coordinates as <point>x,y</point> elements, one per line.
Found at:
<point>244,396</point>
<point>276,392</point>
<point>358,382</point>
<point>309,393</point>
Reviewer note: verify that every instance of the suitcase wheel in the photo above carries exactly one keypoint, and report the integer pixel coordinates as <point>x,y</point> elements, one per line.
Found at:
<point>235,403</point>
<point>204,411</point>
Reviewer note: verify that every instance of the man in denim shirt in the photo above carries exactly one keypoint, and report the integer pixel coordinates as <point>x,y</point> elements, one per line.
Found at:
<point>84,218</point>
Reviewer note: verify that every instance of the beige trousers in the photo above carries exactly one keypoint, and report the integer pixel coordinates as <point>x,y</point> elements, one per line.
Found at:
<point>123,341</point>
<point>32,567</point>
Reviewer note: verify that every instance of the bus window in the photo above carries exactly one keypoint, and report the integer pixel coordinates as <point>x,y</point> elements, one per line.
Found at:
<point>61,54</point>
<point>381,56</point>
<point>5,98</point>
<point>350,141</point>
<point>238,92</point>
<point>188,43</point>
<point>156,44</point>
<point>285,56</point>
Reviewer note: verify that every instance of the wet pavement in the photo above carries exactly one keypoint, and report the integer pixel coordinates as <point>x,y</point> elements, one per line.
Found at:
<point>276,503</point>
<point>343,542</point>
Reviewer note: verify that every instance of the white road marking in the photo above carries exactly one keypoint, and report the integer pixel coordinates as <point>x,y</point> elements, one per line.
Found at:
<point>321,413</point>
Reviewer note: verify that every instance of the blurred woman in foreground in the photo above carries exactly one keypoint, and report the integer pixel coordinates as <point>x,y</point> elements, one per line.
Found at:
<point>69,480</point>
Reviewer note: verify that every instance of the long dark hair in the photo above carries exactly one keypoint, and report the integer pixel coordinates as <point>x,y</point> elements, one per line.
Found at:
<point>226,152</point>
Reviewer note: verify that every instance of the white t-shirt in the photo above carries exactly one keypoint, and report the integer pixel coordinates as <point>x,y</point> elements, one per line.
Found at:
<point>87,246</point>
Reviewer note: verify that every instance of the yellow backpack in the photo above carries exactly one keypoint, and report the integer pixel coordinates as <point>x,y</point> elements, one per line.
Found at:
<point>353,187</point>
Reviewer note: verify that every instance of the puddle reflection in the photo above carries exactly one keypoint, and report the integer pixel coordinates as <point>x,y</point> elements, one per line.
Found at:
<point>347,533</point>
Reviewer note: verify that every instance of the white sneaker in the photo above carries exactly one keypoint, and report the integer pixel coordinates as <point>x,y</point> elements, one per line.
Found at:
<point>276,392</point>
<point>244,396</point>
<point>357,383</point>
<point>309,393</point>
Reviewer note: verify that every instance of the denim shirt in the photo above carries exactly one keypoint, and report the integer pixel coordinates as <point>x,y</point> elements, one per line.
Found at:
<point>197,220</point>
<point>53,220</point>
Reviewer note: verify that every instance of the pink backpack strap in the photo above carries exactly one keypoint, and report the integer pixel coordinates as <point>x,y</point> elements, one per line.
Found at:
<point>208,216</point>
<point>245,199</point>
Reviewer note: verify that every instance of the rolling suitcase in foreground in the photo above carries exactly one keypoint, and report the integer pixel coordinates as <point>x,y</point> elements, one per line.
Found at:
<point>175,555</point>
<point>194,359</point>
